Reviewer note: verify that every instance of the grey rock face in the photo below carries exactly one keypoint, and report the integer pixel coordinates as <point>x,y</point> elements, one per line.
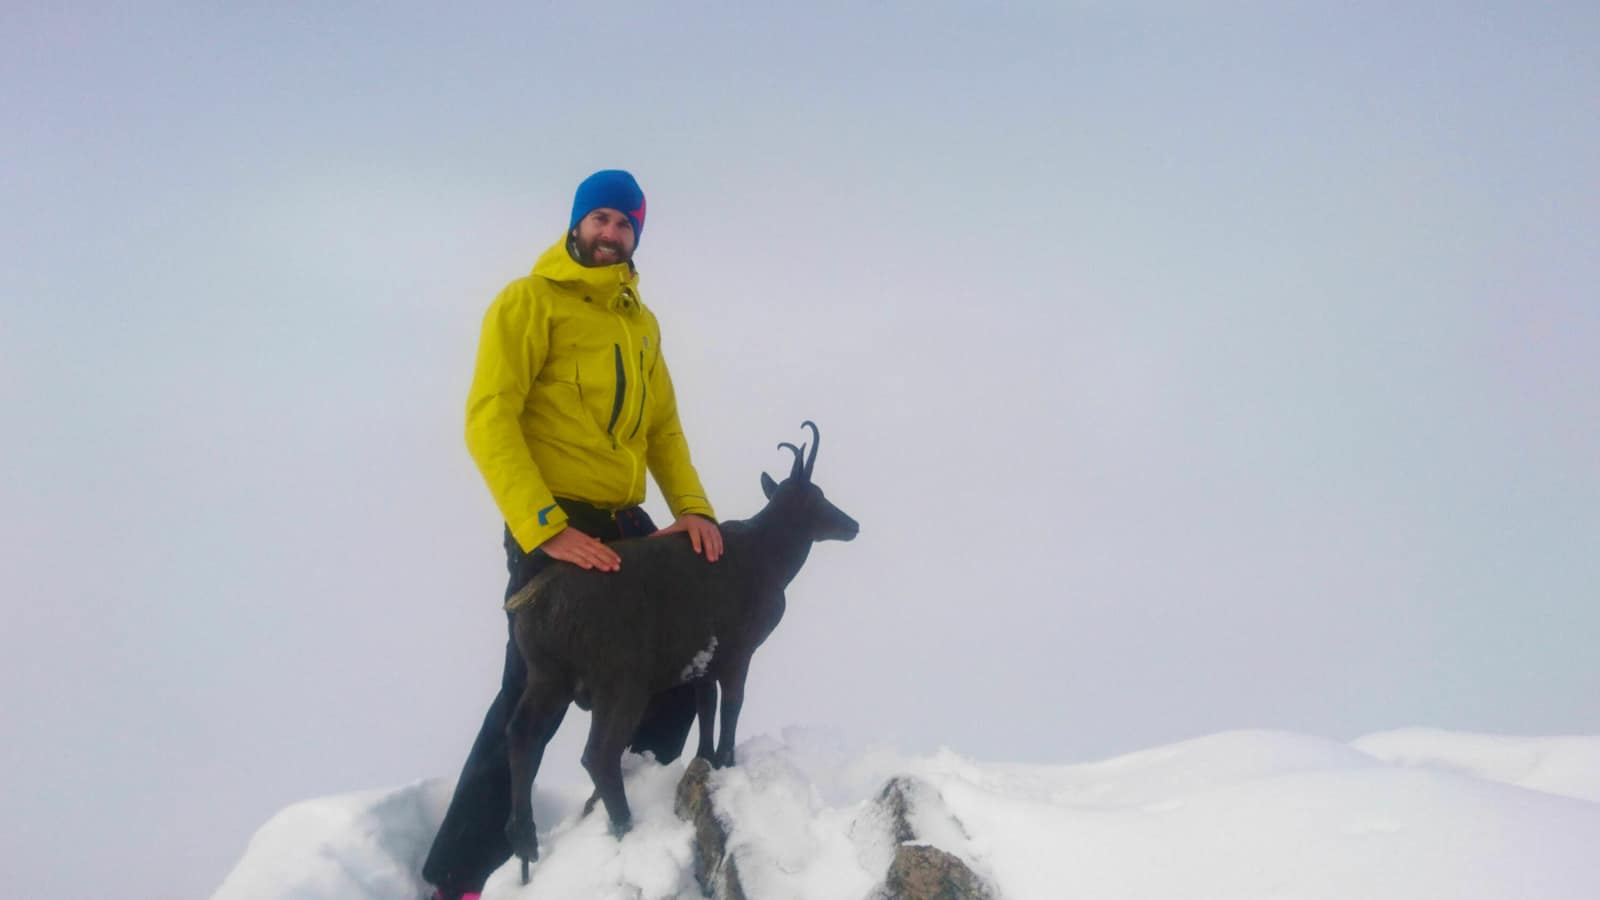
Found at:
<point>913,814</point>
<point>714,869</point>
<point>923,872</point>
<point>909,813</point>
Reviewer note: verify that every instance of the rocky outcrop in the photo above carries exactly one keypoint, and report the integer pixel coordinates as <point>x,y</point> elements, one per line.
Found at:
<point>714,868</point>
<point>907,828</point>
<point>924,872</point>
<point>913,815</point>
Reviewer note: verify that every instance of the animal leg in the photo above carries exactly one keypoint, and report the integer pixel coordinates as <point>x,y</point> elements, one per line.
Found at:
<point>705,704</point>
<point>611,726</point>
<point>732,701</point>
<point>532,724</point>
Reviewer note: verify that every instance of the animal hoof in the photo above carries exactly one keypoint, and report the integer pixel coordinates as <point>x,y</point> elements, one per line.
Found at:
<point>620,827</point>
<point>524,841</point>
<point>722,760</point>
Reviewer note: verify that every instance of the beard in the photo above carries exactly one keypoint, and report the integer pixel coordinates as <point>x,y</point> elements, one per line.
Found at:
<point>584,251</point>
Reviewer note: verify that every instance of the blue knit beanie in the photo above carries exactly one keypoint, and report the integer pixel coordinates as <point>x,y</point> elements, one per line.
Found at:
<point>613,189</point>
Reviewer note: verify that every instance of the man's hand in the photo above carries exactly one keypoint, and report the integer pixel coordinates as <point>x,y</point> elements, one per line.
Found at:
<point>573,546</point>
<point>703,534</point>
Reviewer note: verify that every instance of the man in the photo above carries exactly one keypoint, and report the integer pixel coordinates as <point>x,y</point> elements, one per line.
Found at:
<point>570,404</point>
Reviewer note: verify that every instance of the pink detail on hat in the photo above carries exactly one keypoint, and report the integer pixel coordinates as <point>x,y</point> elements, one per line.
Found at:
<point>639,213</point>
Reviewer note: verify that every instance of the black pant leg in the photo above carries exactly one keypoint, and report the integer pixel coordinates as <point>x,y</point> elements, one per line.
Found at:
<point>471,842</point>
<point>664,729</point>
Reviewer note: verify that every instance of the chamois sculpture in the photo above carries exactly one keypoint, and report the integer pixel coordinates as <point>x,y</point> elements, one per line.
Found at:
<point>611,640</point>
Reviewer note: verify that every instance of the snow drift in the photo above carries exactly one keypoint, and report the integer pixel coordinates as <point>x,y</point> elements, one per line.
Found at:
<point>1408,814</point>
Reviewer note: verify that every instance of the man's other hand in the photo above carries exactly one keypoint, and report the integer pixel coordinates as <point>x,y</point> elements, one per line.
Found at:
<point>703,534</point>
<point>573,546</point>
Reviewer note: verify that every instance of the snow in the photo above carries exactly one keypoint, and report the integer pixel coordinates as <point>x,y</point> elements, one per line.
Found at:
<point>1251,814</point>
<point>1554,765</point>
<point>697,666</point>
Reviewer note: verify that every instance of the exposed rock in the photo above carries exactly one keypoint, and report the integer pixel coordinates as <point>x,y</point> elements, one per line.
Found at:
<point>908,811</point>
<point>924,872</point>
<point>713,867</point>
<point>895,802</point>
<point>913,814</point>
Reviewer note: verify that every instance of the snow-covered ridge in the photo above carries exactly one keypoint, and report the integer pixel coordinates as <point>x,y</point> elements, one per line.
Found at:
<point>1402,814</point>
<point>1555,765</point>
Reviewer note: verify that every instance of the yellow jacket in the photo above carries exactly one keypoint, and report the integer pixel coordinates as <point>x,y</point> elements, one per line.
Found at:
<point>570,397</point>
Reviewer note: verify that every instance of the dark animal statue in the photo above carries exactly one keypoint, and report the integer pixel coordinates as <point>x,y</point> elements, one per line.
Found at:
<point>611,640</point>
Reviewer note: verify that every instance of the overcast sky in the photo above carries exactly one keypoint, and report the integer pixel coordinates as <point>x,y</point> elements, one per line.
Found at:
<point>1187,371</point>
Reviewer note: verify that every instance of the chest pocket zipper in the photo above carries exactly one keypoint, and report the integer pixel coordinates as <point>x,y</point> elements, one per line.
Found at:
<point>622,390</point>
<point>644,387</point>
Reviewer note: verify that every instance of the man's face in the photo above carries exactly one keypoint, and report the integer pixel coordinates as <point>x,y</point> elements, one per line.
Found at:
<point>605,237</point>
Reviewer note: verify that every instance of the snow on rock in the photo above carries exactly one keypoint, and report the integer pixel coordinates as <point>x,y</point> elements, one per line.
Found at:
<point>1242,814</point>
<point>580,859</point>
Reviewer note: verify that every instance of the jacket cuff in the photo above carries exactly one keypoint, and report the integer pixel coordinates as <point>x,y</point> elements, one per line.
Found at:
<point>691,505</point>
<point>540,527</point>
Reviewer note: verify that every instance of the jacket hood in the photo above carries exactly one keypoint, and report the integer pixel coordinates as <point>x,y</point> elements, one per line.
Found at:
<point>607,282</point>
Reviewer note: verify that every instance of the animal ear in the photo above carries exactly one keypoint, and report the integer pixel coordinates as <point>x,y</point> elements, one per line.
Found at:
<point>768,486</point>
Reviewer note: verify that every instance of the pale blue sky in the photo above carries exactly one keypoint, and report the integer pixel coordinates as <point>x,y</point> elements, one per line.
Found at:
<point>1187,370</point>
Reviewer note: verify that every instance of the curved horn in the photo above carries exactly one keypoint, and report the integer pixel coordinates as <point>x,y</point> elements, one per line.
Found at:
<point>816,441</point>
<point>799,453</point>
